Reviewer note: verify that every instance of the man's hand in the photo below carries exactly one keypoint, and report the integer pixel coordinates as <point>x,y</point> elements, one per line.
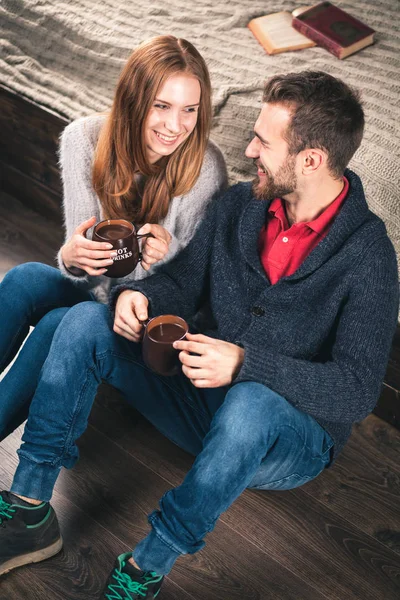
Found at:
<point>154,249</point>
<point>215,363</point>
<point>131,310</point>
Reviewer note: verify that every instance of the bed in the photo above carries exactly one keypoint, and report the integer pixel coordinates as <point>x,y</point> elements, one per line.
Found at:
<point>66,56</point>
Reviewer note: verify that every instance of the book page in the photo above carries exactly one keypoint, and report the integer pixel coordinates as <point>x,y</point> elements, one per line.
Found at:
<point>279,31</point>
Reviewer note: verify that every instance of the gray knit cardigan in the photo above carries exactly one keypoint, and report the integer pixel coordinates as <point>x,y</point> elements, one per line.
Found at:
<point>77,146</point>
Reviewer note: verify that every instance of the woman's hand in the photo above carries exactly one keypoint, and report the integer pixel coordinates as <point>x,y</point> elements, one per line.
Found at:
<point>131,310</point>
<point>154,249</point>
<point>81,253</point>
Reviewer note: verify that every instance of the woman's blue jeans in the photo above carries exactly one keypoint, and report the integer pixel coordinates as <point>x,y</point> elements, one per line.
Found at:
<point>242,436</point>
<point>31,294</point>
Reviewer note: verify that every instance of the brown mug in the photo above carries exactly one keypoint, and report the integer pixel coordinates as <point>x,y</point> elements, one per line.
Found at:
<point>124,239</point>
<point>157,349</point>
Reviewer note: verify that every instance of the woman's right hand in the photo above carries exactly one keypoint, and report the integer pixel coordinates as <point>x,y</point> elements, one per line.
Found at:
<point>80,253</point>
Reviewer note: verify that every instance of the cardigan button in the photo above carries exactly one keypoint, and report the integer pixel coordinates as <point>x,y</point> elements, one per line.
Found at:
<point>257,311</point>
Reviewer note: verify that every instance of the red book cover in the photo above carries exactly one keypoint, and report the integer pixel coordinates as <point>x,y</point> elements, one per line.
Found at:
<point>333,29</point>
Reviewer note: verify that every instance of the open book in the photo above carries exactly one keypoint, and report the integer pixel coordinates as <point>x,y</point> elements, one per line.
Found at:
<point>276,34</point>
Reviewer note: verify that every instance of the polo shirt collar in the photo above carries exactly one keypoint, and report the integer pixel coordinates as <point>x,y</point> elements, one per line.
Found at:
<point>353,213</point>
<point>319,225</point>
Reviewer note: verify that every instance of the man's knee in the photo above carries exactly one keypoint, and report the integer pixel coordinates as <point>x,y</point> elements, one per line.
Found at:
<point>86,321</point>
<point>50,321</point>
<point>251,411</point>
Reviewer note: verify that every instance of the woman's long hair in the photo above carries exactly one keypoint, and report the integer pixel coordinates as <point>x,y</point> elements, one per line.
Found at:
<point>121,153</point>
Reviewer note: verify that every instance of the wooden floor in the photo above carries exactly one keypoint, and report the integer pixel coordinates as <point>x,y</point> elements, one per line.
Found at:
<point>337,538</point>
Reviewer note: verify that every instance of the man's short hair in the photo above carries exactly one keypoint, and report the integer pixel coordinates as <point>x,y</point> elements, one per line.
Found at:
<point>326,114</point>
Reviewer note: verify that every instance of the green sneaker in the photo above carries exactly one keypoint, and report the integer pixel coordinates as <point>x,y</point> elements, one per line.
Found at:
<point>127,583</point>
<point>28,533</point>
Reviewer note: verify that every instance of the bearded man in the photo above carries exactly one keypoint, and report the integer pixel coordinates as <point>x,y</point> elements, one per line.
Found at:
<point>301,281</point>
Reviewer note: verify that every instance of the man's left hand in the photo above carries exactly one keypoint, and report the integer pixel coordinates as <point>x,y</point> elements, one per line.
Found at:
<point>214,363</point>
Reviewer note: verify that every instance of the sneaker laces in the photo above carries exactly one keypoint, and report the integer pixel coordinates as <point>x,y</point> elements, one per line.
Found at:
<point>5,510</point>
<point>125,584</point>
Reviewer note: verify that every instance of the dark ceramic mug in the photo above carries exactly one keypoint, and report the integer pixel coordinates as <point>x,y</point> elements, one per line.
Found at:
<point>124,239</point>
<point>157,346</point>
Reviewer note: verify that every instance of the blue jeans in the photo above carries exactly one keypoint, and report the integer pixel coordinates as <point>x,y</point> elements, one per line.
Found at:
<point>31,294</point>
<point>243,436</point>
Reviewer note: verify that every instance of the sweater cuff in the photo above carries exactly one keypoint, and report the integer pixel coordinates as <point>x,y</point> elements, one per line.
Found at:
<point>154,288</point>
<point>77,275</point>
<point>174,247</point>
<point>118,289</point>
<point>259,365</point>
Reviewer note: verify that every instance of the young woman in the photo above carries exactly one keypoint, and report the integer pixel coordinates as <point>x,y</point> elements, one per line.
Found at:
<point>149,161</point>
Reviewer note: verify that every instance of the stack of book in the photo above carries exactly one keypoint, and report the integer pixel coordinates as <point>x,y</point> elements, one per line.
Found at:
<point>324,25</point>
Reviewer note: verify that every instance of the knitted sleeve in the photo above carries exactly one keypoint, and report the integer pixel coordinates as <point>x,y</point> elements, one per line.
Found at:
<point>183,284</point>
<point>80,202</point>
<point>346,388</point>
<point>186,212</point>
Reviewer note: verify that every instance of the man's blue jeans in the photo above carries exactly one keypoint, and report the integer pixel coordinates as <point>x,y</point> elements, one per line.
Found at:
<point>31,294</point>
<point>243,436</point>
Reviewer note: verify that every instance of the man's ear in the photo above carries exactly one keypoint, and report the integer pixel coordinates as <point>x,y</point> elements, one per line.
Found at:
<point>312,159</point>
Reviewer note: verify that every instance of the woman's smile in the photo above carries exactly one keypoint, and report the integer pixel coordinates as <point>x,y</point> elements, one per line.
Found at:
<point>167,139</point>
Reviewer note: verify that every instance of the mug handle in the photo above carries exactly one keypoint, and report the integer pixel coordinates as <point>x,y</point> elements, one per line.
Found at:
<point>145,322</point>
<point>143,235</point>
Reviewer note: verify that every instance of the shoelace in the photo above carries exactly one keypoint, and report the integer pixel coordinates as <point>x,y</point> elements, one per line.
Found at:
<point>125,584</point>
<point>5,510</point>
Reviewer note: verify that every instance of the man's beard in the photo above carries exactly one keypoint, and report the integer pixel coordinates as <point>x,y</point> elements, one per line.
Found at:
<point>276,186</point>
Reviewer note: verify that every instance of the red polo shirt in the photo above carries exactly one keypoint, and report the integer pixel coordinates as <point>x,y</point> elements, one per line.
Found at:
<point>283,249</point>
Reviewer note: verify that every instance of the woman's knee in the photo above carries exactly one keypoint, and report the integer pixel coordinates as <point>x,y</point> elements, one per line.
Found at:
<point>27,274</point>
<point>32,283</point>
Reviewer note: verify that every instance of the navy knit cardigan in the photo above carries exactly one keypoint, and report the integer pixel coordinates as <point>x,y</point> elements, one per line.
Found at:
<point>320,337</point>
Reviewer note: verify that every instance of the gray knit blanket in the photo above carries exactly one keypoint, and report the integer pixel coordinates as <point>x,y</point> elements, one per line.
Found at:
<point>67,54</point>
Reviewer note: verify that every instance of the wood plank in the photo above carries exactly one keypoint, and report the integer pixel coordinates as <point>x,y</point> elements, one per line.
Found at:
<point>364,485</point>
<point>31,192</point>
<point>119,491</point>
<point>29,138</point>
<point>130,499</point>
<point>29,119</point>
<point>25,235</point>
<point>388,407</point>
<point>28,147</point>
<point>392,376</point>
<point>307,545</point>
<point>80,570</point>
<point>31,160</point>
<point>327,549</point>
<point>381,438</point>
